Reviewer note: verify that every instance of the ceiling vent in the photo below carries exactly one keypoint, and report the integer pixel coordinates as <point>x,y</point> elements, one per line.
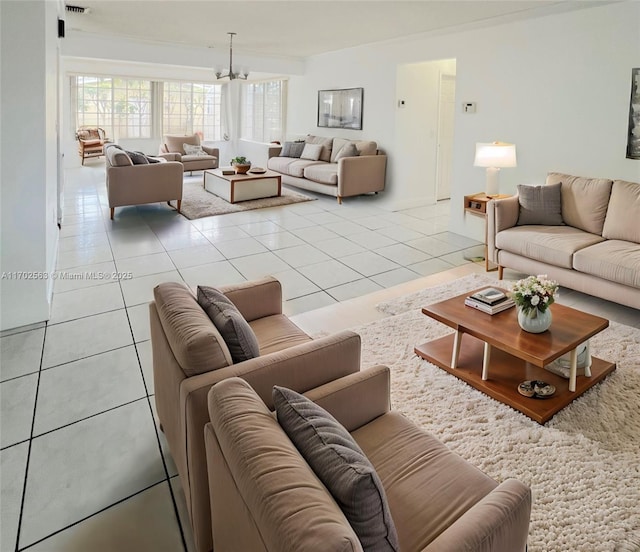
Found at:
<point>77,9</point>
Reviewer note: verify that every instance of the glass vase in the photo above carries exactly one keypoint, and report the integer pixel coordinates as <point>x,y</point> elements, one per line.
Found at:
<point>534,320</point>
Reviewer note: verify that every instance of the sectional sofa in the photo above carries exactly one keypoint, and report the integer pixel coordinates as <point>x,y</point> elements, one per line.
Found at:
<point>331,171</point>
<point>588,240</point>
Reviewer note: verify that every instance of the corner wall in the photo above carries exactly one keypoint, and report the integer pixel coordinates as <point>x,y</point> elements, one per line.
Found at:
<point>557,86</point>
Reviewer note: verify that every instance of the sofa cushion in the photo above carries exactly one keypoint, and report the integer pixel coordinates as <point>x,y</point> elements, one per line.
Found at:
<point>311,151</point>
<point>277,332</point>
<point>191,157</point>
<point>341,465</point>
<point>349,150</point>
<point>540,204</point>
<point>299,165</point>
<point>327,173</point>
<point>175,142</point>
<point>364,147</point>
<point>613,260</point>
<point>292,149</point>
<point>428,486</point>
<point>118,157</point>
<point>623,215</point>
<point>137,157</point>
<point>327,144</point>
<point>291,507</point>
<point>280,164</point>
<point>584,200</point>
<point>193,150</point>
<point>235,330</point>
<point>195,342</point>
<point>550,244</point>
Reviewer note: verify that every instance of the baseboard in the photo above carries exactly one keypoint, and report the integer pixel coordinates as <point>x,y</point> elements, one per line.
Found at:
<point>399,205</point>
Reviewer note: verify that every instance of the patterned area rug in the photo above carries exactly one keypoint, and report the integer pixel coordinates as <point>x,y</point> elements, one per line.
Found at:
<point>198,203</point>
<point>582,466</point>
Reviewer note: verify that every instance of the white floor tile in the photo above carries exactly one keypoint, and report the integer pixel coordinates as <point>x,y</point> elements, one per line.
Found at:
<point>86,256</point>
<point>137,248</point>
<point>183,241</point>
<point>339,247</point>
<point>294,222</point>
<point>260,228</point>
<point>140,290</point>
<point>83,241</point>
<point>20,353</point>
<point>212,274</point>
<point>145,264</point>
<point>80,389</point>
<point>307,303</point>
<point>402,254</point>
<point>13,466</point>
<point>314,234</point>
<point>279,240</point>
<point>325,218</point>
<point>369,263</point>
<point>400,233</point>
<point>295,284</point>
<point>146,362</point>
<point>78,470</point>
<point>257,266</point>
<point>329,274</point>
<point>194,256</point>
<point>434,247</point>
<point>301,255</point>
<point>145,521</point>
<point>395,277</point>
<point>240,248</point>
<point>456,239</point>
<point>224,233</point>
<point>430,266</point>
<point>83,302</point>
<point>88,336</point>
<point>346,228</point>
<point>370,240</point>
<point>139,320</point>
<point>16,406</point>
<point>374,222</point>
<point>84,276</point>
<point>353,289</point>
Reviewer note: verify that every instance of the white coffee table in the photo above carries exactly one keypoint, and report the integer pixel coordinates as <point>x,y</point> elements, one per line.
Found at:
<point>242,187</point>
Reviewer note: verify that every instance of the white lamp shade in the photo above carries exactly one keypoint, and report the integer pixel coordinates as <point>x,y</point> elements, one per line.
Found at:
<point>495,154</point>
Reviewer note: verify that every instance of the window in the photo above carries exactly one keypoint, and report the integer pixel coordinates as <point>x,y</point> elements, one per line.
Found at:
<point>263,110</point>
<point>192,108</point>
<point>122,107</point>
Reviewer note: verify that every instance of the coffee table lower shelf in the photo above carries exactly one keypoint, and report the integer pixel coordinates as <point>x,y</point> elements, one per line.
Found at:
<point>506,372</point>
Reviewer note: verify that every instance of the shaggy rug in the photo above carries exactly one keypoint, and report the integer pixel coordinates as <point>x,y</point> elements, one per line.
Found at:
<point>198,203</point>
<point>583,466</point>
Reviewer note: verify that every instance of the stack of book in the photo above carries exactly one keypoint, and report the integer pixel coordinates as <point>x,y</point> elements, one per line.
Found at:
<point>490,300</point>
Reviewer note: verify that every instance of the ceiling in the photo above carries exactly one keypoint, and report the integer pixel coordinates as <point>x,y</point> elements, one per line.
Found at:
<point>294,29</point>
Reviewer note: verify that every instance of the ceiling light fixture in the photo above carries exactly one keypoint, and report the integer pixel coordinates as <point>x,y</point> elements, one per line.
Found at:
<point>242,74</point>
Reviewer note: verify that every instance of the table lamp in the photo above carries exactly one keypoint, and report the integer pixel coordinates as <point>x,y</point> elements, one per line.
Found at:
<point>494,156</point>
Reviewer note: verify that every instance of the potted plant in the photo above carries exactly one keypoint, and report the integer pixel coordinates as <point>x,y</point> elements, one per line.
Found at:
<point>241,164</point>
<point>533,296</point>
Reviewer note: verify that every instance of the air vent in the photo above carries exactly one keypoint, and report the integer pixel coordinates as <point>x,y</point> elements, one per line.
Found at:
<point>77,9</point>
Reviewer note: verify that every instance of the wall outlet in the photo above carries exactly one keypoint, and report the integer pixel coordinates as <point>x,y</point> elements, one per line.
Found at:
<point>469,107</point>
<point>401,103</point>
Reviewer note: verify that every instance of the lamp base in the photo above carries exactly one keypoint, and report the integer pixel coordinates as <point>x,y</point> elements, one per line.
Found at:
<point>492,187</point>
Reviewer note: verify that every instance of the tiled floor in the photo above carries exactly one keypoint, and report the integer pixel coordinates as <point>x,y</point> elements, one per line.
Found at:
<point>82,464</point>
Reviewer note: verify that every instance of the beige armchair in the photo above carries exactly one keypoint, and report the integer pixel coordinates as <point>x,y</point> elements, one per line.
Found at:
<point>172,149</point>
<point>265,497</point>
<point>129,184</point>
<point>190,356</point>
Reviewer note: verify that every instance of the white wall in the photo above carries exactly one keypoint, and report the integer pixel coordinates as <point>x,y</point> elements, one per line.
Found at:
<point>557,86</point>
<point>29,159</point>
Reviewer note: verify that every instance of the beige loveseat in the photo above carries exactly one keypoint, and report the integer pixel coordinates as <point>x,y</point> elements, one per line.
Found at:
<point>362,173</point>
<point>190,355</point>
<point>131,184</point>
<point>594,249</point>
<point>172,149</point>
<point>265,497</point>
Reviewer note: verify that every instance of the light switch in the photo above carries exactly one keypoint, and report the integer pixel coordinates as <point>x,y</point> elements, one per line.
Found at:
<point>469,107</point>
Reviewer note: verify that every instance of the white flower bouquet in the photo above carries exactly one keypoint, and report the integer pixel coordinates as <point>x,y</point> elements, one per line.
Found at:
<point>534,292</point>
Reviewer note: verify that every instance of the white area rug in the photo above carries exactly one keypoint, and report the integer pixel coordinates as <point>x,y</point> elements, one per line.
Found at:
<point>583,466</point>
<point>198,203</point>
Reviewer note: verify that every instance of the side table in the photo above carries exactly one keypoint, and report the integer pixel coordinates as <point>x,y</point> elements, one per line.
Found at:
<point>476,204</point>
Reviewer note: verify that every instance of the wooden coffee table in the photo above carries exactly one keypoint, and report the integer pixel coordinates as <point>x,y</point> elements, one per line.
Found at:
<point>242,187</point>
<point>492,353</point>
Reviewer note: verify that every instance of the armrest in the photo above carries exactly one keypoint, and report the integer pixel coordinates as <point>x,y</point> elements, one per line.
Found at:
<point>211,151</point>
<point>356,399</point>
<point>501,214</point>
<point>174,156</point>
<point>274,150</point>
<point>256,299</point>
<point>500,521</point>
<point>361,175</point>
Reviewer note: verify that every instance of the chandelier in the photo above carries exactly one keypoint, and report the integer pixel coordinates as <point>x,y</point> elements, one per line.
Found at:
<point>242,74</point>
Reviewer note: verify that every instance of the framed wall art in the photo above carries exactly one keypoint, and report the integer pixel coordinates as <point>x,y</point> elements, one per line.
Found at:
<point>340,108</point>
<point>633,137</point>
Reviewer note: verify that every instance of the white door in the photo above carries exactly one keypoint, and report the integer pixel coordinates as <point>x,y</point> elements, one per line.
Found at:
<point>446,114</point>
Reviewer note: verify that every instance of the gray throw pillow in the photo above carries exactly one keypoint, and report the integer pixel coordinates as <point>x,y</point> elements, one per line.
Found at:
<point>137,157</point>
<point>540,204</point>
<point>234,329</point>
<point>348,150</point>
<point>342,467</point>
<point>292,149</point>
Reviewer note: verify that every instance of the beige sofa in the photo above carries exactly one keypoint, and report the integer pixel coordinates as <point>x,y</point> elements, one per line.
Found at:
<point>172,149</point>
<point>190,356</point>
<point>595,249</point>
<point>345,177</point>
<point>129,184</point>
<point>265,497</point>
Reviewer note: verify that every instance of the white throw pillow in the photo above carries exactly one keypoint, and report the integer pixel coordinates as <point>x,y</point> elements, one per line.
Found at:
<point>311,152</point>
<point>190,149</point>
